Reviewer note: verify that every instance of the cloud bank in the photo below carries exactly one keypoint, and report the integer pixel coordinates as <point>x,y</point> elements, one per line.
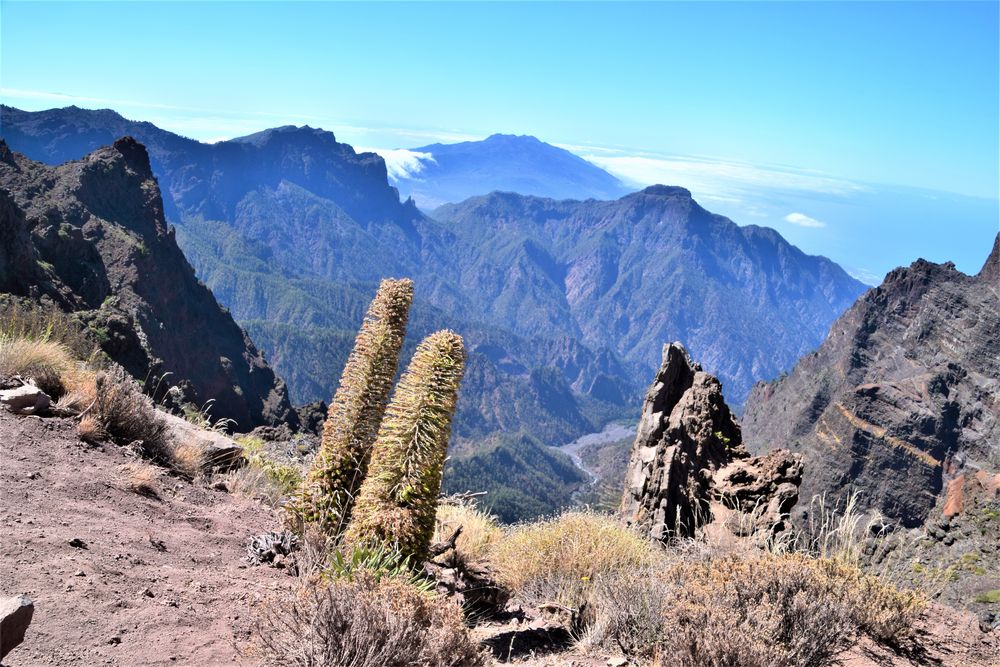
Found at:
<point>402,163</point>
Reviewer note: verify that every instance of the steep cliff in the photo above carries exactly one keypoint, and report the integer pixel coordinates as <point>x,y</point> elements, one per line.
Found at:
<point>902,400</point>
<point>90,236</point>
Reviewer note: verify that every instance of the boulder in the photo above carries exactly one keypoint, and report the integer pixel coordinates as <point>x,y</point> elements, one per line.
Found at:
<point>219,452</point>
<point>762,490</point>
<point>15,617</point>
<point>25,400</point>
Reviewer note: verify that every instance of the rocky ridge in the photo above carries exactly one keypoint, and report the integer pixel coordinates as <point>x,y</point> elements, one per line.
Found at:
<point>900,408</point>
<point>90,237</point>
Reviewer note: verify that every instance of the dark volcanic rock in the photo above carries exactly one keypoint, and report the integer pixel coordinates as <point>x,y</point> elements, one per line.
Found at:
<point>102,248</point>
<point>763,488</point>
<point>685,434</point>
<point>902,400</point>
<point>15,617</point>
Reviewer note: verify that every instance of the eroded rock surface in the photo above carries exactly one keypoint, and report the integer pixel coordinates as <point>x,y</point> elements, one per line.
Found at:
<point>90,237</point>
<point>687,438</point>
<point>902,400</point>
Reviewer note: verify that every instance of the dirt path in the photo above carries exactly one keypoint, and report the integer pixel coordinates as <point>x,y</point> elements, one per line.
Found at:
<point>160,582</point>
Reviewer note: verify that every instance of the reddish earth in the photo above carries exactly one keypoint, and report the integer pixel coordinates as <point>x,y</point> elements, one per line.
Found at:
<point>186,548</point>
<point>90,605</point>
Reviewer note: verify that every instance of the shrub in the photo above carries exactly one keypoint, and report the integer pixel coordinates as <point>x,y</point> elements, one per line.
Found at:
<point>356,411</point>
<point>397,501</point>
<point>283,476</point>
<point>365,621</point>
<point>561,560</point>
<point>128,416</point>
<point>480,531</point>
<point>775,610</point>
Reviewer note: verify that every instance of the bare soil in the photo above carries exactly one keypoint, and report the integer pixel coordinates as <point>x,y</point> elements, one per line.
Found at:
<point>161,580</point>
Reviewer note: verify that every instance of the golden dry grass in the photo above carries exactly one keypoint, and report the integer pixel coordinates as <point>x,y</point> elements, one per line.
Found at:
<point>140,477</point>
<point>480,531</point>
<point>89,429</point>
<point>560,560</point>
<point>43,362</point>
<point>187,459</point>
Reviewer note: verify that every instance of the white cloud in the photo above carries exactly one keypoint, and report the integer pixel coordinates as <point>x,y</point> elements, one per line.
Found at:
<point>708,177</point>
<point>402,163</point>
<point>803,220</point>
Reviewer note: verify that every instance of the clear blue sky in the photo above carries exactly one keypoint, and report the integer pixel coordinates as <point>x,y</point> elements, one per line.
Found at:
<point>896,93</point>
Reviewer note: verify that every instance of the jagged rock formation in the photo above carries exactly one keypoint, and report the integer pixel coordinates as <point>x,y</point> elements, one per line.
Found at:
<point>90,237</point>
<point>688,452</point>
<point>902,400</point>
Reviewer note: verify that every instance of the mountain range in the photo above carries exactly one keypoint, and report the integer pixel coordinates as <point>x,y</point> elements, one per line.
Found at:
<point>564,304</point>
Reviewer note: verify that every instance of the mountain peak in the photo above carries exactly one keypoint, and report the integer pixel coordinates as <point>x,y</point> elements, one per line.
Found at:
<point>666,191</point>
<point>513,138</point>
<point>135,155</point>
<point>285,132</point>
<point>991,269</point>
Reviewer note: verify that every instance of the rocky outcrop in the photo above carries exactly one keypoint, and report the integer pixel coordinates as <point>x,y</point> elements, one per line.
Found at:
<point>688,452</point>
<point>761,490</point>
<point>901,403</point>
<point>102,249</point>
<point>25,400</point>
<point>15,617</point>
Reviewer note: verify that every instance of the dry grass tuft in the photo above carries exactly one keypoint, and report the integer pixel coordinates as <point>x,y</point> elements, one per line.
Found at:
<point>44,362</point>
<point>480,531</point>
<point>187,459</point>
<point>81,392</point>
<point>774,610</point>
<point>128,415</point>
<point>365,621</point>
<point>140,477</point>
<point>90,430</point>
<point>562,559</point>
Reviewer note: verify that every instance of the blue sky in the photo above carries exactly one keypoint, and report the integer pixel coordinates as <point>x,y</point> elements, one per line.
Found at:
<point>741,100</point>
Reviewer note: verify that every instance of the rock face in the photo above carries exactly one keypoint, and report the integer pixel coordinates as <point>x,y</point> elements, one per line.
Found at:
<point>902,400</point>
<point>687,440</point>
<point>90,237</point>
<point>763,489</point>
<point>15,617</point>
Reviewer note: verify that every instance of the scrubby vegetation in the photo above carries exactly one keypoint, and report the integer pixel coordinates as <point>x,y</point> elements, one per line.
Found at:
<point>562,560</point>
<point>479,534</point>
<point>128,416</point>
<point>366,621</point>
<point>769,610</point>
